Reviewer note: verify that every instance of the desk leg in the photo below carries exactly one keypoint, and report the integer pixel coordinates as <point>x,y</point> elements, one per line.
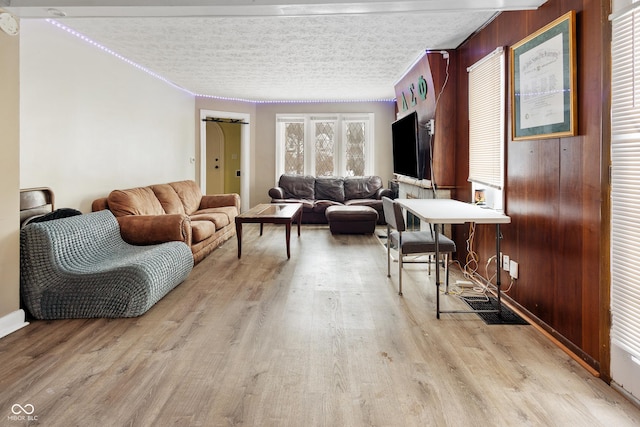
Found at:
<point>299,221</point>
<point>498,268</point>
<point>288,232</point>
<point>261,227</point>
<point>239,236</point>
<point>437,230</point>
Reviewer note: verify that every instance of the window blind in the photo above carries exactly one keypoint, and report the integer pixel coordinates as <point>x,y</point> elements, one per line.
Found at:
<point>486,120</point>
<point>625,184</point>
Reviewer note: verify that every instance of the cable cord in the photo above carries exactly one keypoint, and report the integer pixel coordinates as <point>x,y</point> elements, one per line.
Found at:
<point>471,265</point>
<point>446,79</point>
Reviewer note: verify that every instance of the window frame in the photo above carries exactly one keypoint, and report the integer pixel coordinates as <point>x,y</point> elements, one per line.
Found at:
<point>341,121</point>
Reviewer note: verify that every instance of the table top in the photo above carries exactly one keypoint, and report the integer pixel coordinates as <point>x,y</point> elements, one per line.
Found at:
<point>448,211</point>
<point>272,210</point>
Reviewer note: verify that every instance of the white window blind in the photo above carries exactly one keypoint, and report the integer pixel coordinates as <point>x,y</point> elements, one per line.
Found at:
<point>625,199</point>
<point>486,120</point>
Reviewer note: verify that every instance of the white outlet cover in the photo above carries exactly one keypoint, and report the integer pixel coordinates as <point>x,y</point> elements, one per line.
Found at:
<point>513,269</point>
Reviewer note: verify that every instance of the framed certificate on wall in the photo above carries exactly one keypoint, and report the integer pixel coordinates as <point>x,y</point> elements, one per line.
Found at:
<point>543,82</point>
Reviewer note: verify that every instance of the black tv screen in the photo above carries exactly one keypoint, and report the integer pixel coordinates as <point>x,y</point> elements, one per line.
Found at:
<point>408,152</point>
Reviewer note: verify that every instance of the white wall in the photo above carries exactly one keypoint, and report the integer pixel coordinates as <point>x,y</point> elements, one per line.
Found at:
<point>91,123</point>
<point>9,185</point>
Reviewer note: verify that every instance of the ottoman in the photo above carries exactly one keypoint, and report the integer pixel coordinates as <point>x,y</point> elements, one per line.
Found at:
<point>351,219</point>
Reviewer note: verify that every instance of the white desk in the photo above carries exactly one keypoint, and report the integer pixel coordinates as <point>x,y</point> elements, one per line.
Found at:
<point>447,211</point>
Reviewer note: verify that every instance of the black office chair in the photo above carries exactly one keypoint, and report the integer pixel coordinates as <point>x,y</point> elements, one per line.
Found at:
<point>412,242</point>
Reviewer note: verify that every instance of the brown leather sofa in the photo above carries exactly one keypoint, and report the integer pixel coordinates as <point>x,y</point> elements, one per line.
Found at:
<point>318,193</point>
<point>176,211</point>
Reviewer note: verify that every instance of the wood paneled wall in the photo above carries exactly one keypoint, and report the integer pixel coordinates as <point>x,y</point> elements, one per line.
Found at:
<point>556,189</point>
<point>438,100</point>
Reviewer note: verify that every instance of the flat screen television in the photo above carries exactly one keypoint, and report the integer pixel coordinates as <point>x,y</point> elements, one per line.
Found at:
<point>409,147</point>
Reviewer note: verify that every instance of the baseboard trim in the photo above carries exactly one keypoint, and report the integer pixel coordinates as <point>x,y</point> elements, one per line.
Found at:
<point>12,322</point>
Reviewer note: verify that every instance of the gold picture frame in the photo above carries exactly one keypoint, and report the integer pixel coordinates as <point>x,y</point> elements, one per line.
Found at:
<point>543,82</point>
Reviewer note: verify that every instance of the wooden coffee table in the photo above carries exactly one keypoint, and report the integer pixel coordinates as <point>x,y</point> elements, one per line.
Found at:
<point>270,213</point>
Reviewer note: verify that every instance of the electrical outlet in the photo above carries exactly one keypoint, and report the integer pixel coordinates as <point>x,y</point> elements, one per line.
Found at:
<point>505,262</point>
<point>513,269</point>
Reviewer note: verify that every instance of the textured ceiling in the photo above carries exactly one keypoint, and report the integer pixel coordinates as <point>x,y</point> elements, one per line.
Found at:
<point>301,57</point>
<point>272,58</point>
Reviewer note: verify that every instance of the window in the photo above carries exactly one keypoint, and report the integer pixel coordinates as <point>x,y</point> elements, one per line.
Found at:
<point>625,216</point>
<point>486,127</point>
<point>324,145</point>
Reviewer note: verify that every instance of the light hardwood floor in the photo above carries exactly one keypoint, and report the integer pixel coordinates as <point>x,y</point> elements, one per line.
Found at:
<point>321,339</point>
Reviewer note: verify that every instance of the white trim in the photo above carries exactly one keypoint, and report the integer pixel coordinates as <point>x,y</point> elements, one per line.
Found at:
<point>624,370</point>
<point>245,152</point>
<point>12,322</point>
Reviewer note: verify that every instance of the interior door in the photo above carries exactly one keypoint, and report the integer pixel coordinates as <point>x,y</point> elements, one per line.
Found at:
<point>215,159</point>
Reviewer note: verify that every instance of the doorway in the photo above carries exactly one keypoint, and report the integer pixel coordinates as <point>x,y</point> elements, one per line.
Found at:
<point>243,171</point>
<point>215,159</point>
<point>223,157</point>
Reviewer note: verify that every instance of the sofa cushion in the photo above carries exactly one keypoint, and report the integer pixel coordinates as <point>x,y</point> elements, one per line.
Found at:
<point>134,201</point>
<point>230,211</point>
<point>362,187</point>
<point>322,205</point>
<point>201,230</point>
<point>298,186</point>
<point>219,219</point>
<point>330,188</point>
<point>168,198</point>
<point>189,193</point>
<point>376,204</point>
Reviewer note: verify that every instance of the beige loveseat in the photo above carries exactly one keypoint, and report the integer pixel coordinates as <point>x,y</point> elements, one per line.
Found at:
<point>176,211</point>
